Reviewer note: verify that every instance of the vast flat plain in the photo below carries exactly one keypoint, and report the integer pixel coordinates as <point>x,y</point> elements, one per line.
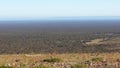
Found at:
<point>60,44</point>
<point>59,36</point>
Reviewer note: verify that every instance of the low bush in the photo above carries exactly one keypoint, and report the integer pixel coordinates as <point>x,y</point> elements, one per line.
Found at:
<point>79,66</point>
<point>52,60</point>
<point>42,66</point>
<point>98,59</point>
<point>22,65</point>
<point>6,66</point>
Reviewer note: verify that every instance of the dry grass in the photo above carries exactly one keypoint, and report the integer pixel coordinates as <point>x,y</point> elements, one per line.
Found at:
<point>65,57</point>
<point>30,59</point>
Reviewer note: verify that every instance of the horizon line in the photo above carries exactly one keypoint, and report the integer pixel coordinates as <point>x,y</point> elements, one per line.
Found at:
<point>63,18</point>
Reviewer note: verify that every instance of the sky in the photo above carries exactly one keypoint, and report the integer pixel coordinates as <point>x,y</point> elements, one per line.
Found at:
<point>35,9</point>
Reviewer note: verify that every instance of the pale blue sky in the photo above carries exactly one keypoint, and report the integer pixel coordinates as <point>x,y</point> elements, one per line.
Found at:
<point>31,9</point>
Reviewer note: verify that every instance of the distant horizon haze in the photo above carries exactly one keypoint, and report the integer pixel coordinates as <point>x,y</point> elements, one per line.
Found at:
<point>63,18</point>
<point>47,9</point>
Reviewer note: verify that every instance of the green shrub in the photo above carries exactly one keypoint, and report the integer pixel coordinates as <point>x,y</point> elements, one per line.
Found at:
<point>6,66</point>
<point>98,59</point>
<point>41,66</point>
<point>79,66</point>
<point>52,60</point>
<point>22,65</point>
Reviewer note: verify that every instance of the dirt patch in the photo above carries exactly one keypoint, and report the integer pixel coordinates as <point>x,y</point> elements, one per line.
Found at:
<point>95,41</point>
<point>115,40</point>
